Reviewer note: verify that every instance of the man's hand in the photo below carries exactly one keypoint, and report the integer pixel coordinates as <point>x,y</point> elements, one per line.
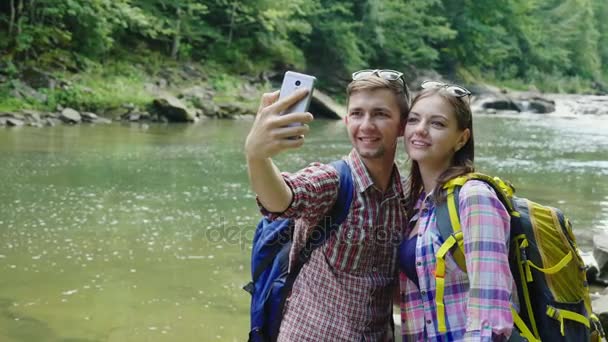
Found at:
<point>270,133</point>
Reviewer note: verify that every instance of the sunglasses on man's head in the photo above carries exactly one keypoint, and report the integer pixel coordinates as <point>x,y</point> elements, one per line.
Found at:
<point>387,74</point>
<point>452,89</point>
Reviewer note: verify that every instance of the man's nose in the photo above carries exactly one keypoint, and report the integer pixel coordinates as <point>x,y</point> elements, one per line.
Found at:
<point>367,121</point>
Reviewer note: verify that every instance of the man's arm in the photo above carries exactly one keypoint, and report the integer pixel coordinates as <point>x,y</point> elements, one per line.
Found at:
<point>270,135</point>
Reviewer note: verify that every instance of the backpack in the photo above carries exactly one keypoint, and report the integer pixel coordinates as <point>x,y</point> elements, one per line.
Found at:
<point>272,283</point>
<point>544,261</point>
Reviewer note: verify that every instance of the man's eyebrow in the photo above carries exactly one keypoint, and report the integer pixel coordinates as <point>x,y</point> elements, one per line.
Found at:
<point>375,108</point>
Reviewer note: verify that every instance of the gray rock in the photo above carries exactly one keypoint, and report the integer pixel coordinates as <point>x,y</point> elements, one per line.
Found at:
<point>88,116</point>
<point>501,104</point>
<point>37,78</point>
<point>69,115</point>
<point>600,304</point>
<point>173,109</point>
<point>32,115</point>
<point>541,105</point>
<point>14,122</point>
<point>324,106</point>
<point>600,253</point>
<point>51,121</point>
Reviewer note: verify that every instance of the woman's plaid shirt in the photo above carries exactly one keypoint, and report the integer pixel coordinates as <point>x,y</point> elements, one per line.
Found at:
<point>477,303</point>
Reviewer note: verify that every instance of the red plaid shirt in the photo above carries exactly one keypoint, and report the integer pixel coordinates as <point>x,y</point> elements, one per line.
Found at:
<point>344,293</point>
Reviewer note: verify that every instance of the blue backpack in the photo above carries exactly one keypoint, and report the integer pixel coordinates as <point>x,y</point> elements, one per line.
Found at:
<point>272,282</point>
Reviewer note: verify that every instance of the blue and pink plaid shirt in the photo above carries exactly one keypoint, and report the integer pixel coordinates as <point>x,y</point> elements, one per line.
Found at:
<point>477,303</point>
<point>344,293</point>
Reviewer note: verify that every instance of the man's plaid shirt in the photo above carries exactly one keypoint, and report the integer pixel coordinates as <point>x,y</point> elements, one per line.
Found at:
<point>344,293</point>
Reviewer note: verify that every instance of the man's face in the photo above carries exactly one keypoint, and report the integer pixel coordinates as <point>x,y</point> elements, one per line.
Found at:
<point>373,122</point>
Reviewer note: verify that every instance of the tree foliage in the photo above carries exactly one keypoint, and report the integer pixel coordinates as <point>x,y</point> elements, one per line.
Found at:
<point>526,40</point>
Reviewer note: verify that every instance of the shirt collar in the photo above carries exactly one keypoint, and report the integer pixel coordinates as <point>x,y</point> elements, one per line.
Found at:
<point>364,181</point>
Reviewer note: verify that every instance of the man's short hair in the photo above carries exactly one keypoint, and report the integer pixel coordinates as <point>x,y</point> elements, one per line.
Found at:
<point>376,83</point>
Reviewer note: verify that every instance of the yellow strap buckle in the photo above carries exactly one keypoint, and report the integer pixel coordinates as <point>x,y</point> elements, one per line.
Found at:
<point>561,314</point>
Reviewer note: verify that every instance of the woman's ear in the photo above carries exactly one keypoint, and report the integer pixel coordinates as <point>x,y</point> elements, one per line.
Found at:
<point>464,138</point>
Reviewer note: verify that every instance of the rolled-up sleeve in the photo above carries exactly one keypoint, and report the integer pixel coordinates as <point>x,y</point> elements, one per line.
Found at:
<point>314,189</point>
<point>485,225</point>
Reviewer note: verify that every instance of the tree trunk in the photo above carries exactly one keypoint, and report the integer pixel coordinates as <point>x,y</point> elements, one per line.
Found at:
<point>19,17</point>
<point>231,23</point>
<point>11,23</point>
<point>177,36</point>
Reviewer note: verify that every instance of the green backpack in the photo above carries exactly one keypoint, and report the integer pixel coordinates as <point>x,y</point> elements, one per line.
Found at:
<point>543,258</point>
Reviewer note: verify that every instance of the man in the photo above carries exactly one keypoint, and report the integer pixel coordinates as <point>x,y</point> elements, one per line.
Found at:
<point>344,293</point>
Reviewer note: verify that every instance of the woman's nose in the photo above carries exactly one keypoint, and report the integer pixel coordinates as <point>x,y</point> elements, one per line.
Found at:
<point>421,128</point>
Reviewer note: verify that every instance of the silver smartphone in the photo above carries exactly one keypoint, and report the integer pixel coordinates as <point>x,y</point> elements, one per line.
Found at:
<point>293,81</point>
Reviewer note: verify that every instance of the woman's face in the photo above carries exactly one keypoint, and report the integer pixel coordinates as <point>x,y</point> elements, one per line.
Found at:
<point>432,135</point>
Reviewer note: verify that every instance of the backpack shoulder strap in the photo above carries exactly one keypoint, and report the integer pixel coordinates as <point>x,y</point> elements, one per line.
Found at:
<point>337,214</point>
<point>345,193</point>
<point>448,219</point>
<point>448,224</point>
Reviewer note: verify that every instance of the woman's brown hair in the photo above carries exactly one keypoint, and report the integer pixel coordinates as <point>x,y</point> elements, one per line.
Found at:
<point>462,161</point>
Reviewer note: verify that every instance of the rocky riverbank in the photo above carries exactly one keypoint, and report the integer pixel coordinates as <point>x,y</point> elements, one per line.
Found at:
<point>187,94</point>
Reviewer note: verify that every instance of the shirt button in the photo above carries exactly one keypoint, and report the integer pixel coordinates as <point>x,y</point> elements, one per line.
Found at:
<point>418,263</point>
<point>349,235</point>
<point>374,269</point>
<point>428,321</point>
<point>423,293</point>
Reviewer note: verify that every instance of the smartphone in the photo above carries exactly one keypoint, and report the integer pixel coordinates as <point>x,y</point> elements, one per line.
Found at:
<point>293,81</point>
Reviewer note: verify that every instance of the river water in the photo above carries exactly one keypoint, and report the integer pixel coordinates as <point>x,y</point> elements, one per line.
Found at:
<point>142,232</point>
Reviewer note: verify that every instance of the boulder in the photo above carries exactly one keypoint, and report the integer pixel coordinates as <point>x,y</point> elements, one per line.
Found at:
<point>94,118</point>
<point>537,104</point>
<point>324,106</point>
<point>231,109</point>
<point>501,104</point>
<point>173,109</point>
<point>71,116</point>
<point>14,122</point>
<point>37,78</point>
<point>600,253</point>
<point>199,97</point>
<point>51,121</point>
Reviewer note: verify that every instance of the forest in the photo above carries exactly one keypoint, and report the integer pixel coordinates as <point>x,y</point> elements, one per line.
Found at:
<point>554,45</point>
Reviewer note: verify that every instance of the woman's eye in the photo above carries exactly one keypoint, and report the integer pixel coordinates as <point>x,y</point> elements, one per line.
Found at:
<point>412,120</point>
<point>438,124</point>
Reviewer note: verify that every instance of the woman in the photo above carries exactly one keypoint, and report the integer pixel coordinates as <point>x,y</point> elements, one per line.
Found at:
<point>439,142</point>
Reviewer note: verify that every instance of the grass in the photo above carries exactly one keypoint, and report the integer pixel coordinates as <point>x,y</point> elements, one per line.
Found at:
<point>98,88</point>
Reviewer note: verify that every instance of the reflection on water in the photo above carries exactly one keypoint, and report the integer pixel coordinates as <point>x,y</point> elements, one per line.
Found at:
<point>142,233</point>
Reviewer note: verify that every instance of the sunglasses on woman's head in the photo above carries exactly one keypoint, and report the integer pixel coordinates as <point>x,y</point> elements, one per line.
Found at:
<point>452,89</point>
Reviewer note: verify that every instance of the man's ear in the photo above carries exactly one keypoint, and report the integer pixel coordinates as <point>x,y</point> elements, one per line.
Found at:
<point>346,119</point>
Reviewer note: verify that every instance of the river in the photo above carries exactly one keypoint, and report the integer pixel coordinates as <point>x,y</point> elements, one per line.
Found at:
<point>142,232</point>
